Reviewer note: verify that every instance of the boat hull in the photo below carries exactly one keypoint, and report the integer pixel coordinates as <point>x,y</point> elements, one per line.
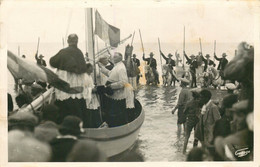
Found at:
<point>113,141</point>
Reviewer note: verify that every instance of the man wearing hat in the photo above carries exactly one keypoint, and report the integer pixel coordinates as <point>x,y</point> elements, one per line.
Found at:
<point>222,65</point>
<point>137,63</point>
<point>153,64</point>
<point>193,65</point>
<point>170,62</point>
<point>40,61</point>
<point>184,96</point>
<point>71,67</point>
<point>209,115</point>
<point>70,130</point>
<point>207,62</point>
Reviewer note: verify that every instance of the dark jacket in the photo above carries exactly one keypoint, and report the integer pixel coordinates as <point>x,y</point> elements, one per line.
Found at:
<point>70,59</point>
<point>39,61</point>
<point>170,62</point>
<point>61,147</point>
<point>151,62</point>
<point>137,61</point>
<point>193,64</point>
<point>222,62</point>
<point>207,63</point>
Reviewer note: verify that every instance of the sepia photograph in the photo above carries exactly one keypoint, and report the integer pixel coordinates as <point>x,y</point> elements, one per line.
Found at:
<point>117,81</point>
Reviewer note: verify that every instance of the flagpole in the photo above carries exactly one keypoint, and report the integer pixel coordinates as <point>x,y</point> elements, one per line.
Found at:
<point>90,42</point>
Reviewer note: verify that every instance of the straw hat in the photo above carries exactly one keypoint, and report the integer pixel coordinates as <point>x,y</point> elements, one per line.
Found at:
<point>41,56</point>
<point>151,54</point>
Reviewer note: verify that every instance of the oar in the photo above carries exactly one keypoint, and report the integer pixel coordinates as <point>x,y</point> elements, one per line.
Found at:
<point>160,51</point>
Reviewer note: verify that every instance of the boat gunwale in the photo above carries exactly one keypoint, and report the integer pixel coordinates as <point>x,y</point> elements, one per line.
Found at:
<point>112,133</point>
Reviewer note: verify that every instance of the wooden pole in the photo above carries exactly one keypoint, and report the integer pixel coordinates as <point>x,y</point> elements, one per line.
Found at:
<point>141,41</point>
<point>133,39</point>
<point>183,48</point>
<point>38,45</point>
<point>63,42</point>
<point>214,50</point>
<point>18,50</point>
<point>200,46</point>
<point>160,51</point>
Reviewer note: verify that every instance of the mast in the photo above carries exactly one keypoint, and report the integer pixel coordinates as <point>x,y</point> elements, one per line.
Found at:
<point>90,39</point>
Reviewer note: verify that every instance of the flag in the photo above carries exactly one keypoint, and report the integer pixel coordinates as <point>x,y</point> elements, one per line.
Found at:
<point>30,72</point>
<point>105,31</point>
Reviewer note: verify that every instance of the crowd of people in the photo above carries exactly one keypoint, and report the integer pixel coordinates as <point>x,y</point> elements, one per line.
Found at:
<point>224,130</point>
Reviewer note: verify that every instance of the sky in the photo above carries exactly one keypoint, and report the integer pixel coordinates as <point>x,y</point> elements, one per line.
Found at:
<point>223,21</point>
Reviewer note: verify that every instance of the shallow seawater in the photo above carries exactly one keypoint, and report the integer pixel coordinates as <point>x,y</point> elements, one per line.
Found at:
<point>157,140</point>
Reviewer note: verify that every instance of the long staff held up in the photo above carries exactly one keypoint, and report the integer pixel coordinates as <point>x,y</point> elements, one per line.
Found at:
<point>214,49</point>
<point>200,47</point>
<point>141,41</point>
<point>38,45</point>
<point>133,39</point>
<point>160,51</point>
<point>183,48</point>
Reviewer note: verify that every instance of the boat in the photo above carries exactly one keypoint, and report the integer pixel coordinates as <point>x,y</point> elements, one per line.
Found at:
<point>112,141</point>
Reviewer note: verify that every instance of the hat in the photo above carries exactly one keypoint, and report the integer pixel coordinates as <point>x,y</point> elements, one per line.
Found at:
<point>207,55</point>
<point>230,86</point>
<point>170,55</point>
<point>41,56</point>
<point>71,125</point>
<point>229,100</point>
<point>25,148</point>
<point>224,55</point>
<point>86,151</point>
<point>151,54</point>
<point>184,80</point>
<point>22,118</point>
<point>192,56</point>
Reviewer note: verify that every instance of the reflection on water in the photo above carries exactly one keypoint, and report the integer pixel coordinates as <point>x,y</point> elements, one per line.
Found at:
<point>157,139</point>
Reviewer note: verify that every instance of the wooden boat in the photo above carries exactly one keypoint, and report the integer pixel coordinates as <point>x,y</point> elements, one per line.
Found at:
<point>112,141</point>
